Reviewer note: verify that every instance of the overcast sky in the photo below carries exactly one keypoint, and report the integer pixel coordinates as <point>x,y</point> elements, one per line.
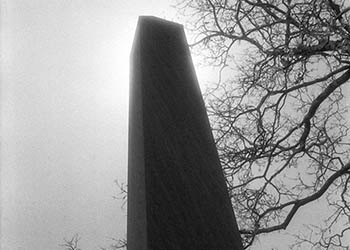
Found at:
<point>64,103</point>
<point>64,111</point>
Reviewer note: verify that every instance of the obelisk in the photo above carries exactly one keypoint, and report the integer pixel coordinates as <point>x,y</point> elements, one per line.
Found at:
<point>177,196</point>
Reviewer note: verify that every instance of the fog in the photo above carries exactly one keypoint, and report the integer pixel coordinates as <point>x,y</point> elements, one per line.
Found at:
<point>64,112</point>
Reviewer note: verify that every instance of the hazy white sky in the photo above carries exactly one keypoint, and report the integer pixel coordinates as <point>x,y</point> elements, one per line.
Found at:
<point>64,104</point>
<point>64,111</point>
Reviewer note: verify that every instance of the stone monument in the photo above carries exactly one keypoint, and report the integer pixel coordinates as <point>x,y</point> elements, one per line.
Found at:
<point>177,197</point>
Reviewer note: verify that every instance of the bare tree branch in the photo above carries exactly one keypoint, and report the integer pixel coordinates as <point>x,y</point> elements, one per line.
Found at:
<point>279,118</point>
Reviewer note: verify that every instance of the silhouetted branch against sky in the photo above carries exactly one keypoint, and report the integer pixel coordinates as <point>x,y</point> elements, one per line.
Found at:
<point>279,114</point>
<point>71,244</point>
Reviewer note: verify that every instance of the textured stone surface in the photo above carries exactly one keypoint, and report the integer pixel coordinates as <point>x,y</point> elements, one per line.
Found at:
<point>177,197</point>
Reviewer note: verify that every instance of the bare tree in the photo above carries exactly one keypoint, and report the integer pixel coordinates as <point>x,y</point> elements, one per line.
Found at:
<point>71,244</point>
<point>116,245</point>
<point>279,117</point>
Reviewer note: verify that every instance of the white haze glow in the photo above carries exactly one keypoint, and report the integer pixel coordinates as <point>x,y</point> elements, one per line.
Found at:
<point>64,111</point>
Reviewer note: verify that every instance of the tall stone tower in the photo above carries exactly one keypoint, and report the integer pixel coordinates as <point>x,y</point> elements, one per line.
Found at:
<point>177,197</point>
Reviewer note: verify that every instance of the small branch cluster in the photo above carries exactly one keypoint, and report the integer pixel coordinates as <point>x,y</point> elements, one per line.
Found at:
<point>71,244</point>
<point>116,245</point>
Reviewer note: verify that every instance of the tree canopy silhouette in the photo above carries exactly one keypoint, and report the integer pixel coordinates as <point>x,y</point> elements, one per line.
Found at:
<point>279,117</point>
